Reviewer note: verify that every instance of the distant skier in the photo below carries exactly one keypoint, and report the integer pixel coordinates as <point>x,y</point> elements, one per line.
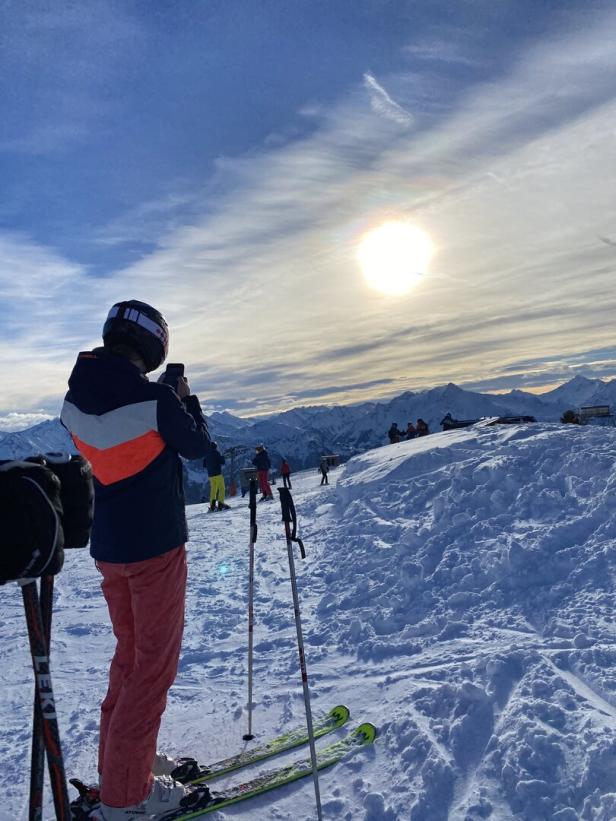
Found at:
<point>411,431</point>
<point>262,463</point>
<point>213,462</point>
<point>133,432</point>
<point>448,422</point>
<point>324,468</point>
<point>422,428</point>
<point>394,433</point>
<point>285,472</point>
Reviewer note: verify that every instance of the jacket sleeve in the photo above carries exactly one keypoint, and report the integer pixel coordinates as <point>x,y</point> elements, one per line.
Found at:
<point>182,425</point>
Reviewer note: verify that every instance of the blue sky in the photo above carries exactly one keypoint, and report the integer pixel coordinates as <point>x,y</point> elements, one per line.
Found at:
<point>222,160</point>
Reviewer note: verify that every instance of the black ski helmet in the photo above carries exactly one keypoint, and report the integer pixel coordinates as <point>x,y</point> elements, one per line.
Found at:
<point>141,327</point>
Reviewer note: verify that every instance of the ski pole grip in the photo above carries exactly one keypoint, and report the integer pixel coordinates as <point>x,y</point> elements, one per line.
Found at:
<point>289,517</point>
<point>285,504</point>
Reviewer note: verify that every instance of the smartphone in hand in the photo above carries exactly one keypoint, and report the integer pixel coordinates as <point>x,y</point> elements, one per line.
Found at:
<point>173,372</point>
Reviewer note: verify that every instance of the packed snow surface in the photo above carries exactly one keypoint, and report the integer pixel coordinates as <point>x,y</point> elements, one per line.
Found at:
<point>457,592</point>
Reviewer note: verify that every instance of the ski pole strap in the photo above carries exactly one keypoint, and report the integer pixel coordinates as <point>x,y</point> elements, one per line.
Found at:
<point>252,504</point>
<point>289,517</point>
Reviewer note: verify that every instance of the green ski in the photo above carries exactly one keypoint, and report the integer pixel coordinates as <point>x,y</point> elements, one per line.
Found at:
<point>327,757</point>
<point>190,772</point>
<point>324,724</point>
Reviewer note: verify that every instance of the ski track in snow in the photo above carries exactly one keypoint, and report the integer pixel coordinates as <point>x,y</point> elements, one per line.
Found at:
<point>458,592</point>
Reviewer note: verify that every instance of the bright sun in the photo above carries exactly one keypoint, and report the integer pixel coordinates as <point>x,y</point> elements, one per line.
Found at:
<point>394,256</point>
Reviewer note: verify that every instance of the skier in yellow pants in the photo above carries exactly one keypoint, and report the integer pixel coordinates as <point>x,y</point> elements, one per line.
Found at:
<point>214,462</point>
<point>217,490</point>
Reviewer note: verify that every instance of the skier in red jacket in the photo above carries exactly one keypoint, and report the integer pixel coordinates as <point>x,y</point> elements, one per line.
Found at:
<point>285,472</point>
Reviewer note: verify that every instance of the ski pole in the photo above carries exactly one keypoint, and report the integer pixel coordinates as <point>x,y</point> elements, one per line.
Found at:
<point>251,584</point>
<point>46,705</point>
<point>289,516</point>
<point>37,765</point>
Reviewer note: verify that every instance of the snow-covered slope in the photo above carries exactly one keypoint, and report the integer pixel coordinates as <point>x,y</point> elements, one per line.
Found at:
<point>458,592</point>
<point>482,585</point>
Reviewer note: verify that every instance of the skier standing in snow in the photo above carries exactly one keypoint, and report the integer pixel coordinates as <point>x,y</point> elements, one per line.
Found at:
<point>262,463</point>
<point>213,462</point>
<point>448,422</point>
<point>411,431</point>
<point>422,428</point>
<point>324,468</point>
<point>133,432</point>
<point>285,472</point>
<point>394,433</point>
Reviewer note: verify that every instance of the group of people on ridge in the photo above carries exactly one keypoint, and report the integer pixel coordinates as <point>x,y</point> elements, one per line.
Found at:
<point>412,431</point>
<point>213,462</point>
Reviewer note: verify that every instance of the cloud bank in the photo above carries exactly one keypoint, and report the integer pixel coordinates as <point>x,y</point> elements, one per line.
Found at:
<point>261,286</point>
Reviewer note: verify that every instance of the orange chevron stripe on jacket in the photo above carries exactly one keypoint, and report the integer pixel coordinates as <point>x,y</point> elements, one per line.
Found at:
<point>119,462</point>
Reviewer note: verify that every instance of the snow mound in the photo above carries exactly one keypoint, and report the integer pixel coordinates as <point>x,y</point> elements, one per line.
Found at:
<point>477,567</point>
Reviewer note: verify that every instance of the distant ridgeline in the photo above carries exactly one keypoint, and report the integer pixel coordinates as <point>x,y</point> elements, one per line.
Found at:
<point>303,435</point>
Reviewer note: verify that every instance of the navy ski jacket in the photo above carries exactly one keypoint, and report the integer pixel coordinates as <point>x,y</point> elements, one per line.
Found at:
<point>262,461</point>
<point>213,462</point>
<point>133,432</point>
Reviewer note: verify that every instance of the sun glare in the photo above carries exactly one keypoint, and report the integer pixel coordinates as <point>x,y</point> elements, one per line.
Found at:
<point>394,256</point>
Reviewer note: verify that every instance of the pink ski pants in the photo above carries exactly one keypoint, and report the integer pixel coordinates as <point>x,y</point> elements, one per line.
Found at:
<point>146,606</point>
<point>264,484</point>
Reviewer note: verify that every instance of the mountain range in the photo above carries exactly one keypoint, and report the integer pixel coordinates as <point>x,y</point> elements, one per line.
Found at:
<point>305,433</point>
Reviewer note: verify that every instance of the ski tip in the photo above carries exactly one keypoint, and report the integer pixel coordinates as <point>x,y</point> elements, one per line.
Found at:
<point>340,714</point>
<point>366,733</point>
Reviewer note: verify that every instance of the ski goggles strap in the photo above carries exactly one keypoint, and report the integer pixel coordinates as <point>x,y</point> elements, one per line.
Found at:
<point>133,315</point>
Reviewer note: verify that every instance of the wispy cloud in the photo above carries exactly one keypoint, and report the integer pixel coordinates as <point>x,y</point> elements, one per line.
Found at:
<point>383,104</point>
<point>608,241</point>
<point>448,51</point>
<point>19,421</point>
<point>148,222</point>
